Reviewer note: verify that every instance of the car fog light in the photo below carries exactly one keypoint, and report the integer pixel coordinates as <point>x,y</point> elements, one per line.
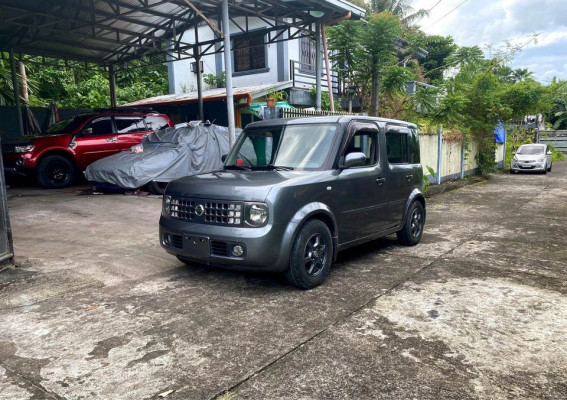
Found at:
<point>237,250</point>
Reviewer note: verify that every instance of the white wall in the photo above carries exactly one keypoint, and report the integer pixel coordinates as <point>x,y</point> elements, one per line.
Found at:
<point>451,156</point>
<point>185,80</point>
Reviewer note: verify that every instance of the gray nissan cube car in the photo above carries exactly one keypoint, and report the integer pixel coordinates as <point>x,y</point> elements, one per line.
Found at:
<point>295,192</point>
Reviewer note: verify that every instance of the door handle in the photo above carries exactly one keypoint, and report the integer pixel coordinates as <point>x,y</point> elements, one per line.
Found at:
<point>380,181</point>
<point>409,177</point>
<point>111,140</point>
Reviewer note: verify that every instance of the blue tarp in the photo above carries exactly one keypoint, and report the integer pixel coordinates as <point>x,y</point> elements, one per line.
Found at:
<point>499,133</point>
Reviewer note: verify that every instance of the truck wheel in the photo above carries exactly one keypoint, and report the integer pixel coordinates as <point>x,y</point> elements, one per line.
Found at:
<point>410,235</point>
<point>55,172</point>
<point>311,256</point>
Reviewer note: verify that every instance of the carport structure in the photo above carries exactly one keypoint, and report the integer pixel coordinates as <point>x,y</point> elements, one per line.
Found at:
<point>120,34</point>
<point>114,33</point>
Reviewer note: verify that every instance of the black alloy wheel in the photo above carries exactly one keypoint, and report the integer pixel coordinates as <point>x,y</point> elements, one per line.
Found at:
<point>311,255</point>
<point>55,172</point>
<point>411,232</point>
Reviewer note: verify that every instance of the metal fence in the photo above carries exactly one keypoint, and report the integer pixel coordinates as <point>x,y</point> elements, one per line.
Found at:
<point>557,139</point>
<point>6,247</point>
<point>298,113</point>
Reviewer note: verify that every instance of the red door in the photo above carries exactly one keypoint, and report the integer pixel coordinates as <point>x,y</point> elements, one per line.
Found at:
<point>95,141</point>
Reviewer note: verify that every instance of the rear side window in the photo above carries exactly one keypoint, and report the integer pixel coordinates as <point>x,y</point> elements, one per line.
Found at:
<point>402,146</point>
<point>155,123</point>
<point>129,124</point>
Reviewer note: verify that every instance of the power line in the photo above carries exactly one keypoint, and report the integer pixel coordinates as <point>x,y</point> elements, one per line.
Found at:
<point>436,4</point>
<point>444,16</point>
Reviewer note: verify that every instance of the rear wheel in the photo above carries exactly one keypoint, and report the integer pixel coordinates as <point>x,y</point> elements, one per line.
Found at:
<point>55,172</point>
<point>311,256</point>
<point>411,233</point>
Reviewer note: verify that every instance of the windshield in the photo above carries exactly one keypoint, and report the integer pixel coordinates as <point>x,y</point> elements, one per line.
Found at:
<point>285,147</point>
<point>67,125</point>
<point>530,150</point>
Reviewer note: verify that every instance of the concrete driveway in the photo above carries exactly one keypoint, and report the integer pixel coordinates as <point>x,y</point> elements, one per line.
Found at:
<point>478,310</point>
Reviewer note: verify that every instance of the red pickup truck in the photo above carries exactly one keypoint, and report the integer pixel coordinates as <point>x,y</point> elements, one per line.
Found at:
<point>69,146</point>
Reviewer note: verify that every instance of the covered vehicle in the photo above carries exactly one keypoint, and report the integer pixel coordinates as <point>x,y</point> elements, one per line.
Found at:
<point>165,155</point>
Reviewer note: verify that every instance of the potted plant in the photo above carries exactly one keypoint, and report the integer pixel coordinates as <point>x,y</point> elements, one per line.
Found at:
<point>274,96</point>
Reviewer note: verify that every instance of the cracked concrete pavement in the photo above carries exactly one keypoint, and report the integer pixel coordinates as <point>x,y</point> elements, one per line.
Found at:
<point>96,309</point>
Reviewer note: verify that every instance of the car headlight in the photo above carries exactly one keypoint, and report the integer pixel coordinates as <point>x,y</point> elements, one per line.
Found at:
<point>541,159</point>
<point>166,206</point>
<point>24,149</point>
<point>256,214</point>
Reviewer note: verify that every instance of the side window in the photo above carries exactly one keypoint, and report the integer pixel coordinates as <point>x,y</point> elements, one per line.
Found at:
<point>156,123</point>
<point>129,124</point>
<point>365,142</point>
<point>397,147</point>
<point>99,126</point>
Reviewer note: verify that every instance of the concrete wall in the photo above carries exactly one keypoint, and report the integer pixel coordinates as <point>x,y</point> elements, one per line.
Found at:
<point>451,157</point>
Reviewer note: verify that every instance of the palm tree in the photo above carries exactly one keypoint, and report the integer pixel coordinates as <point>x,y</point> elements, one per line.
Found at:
<point>6,87</point>
<point>401,8</point>
<point>522,74</point>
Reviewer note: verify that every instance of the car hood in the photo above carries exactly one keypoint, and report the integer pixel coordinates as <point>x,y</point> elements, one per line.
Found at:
<point>31,139</point>
<point>525,157</point>
<point>238,185</point>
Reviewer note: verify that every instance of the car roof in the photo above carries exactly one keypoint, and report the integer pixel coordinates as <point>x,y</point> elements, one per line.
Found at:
<point>342,119</point>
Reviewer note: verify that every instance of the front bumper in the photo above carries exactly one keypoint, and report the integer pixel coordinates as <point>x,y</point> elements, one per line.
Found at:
<point>265,249</point>
<point>527,166</point>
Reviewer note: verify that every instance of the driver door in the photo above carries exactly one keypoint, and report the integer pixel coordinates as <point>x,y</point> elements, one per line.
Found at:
<point>96,140</point>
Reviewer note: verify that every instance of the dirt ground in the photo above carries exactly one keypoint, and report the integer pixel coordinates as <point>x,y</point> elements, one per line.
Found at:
<point>96,309</point>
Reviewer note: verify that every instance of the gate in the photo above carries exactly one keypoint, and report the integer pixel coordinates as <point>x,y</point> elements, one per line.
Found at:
<point>557,139</point>
<point>6,247</point>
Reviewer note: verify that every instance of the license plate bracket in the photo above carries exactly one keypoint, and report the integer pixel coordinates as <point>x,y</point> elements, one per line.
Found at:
<point>198,246</point>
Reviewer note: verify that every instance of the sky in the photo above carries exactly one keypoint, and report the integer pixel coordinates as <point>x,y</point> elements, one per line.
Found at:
<point>493,22</point>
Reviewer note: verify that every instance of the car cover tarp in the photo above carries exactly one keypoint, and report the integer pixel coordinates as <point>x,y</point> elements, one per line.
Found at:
<point>167,154</point>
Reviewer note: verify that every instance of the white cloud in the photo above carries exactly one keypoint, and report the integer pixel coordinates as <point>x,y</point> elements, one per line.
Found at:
<point>493,22</point>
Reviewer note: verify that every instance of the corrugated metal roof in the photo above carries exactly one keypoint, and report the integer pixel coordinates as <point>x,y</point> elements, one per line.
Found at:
<point>117,31</point>
<point>249,92</point>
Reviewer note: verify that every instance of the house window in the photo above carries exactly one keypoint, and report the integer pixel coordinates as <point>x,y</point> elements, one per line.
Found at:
<point>307,48</point>
<point>249,52</point>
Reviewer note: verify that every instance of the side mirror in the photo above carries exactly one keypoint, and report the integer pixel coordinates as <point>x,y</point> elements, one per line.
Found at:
<point>224,157</point>
<point>513,152</point>
<point>549,153</point>
<point>356,159</point>
<point>87,131</point>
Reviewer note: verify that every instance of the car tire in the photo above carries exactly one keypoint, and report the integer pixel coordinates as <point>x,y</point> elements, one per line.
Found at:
<point>545,169</point>
<point>549,169</point>
<point>311,256</point>
<point>54,172</point>
<point>158,188</point>
<point>411,232</point>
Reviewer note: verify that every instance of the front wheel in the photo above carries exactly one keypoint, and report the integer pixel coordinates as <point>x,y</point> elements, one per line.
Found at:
<point>311,256</point>
<point>55,172</point>
<point>410,235</point>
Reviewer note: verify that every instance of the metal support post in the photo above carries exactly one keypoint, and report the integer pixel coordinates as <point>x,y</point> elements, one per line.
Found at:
<point>439,153</point>
<point>16,87</point>
<point>318,67</point>
<point>112,85</point>
<point>462,175</point>
<point>327,68</point>
<point>200,88</point>
<point>228,70</point>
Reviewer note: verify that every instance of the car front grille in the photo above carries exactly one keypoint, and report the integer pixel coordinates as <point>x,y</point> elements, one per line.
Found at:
<point>8,148</point>
<point>212,212</point>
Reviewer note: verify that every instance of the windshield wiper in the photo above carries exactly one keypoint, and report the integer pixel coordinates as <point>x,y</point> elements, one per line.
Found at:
<point>273,167</point>
<point>244,167</point>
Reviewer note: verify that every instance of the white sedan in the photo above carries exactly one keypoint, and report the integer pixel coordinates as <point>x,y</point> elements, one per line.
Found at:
<point>532,157</point>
